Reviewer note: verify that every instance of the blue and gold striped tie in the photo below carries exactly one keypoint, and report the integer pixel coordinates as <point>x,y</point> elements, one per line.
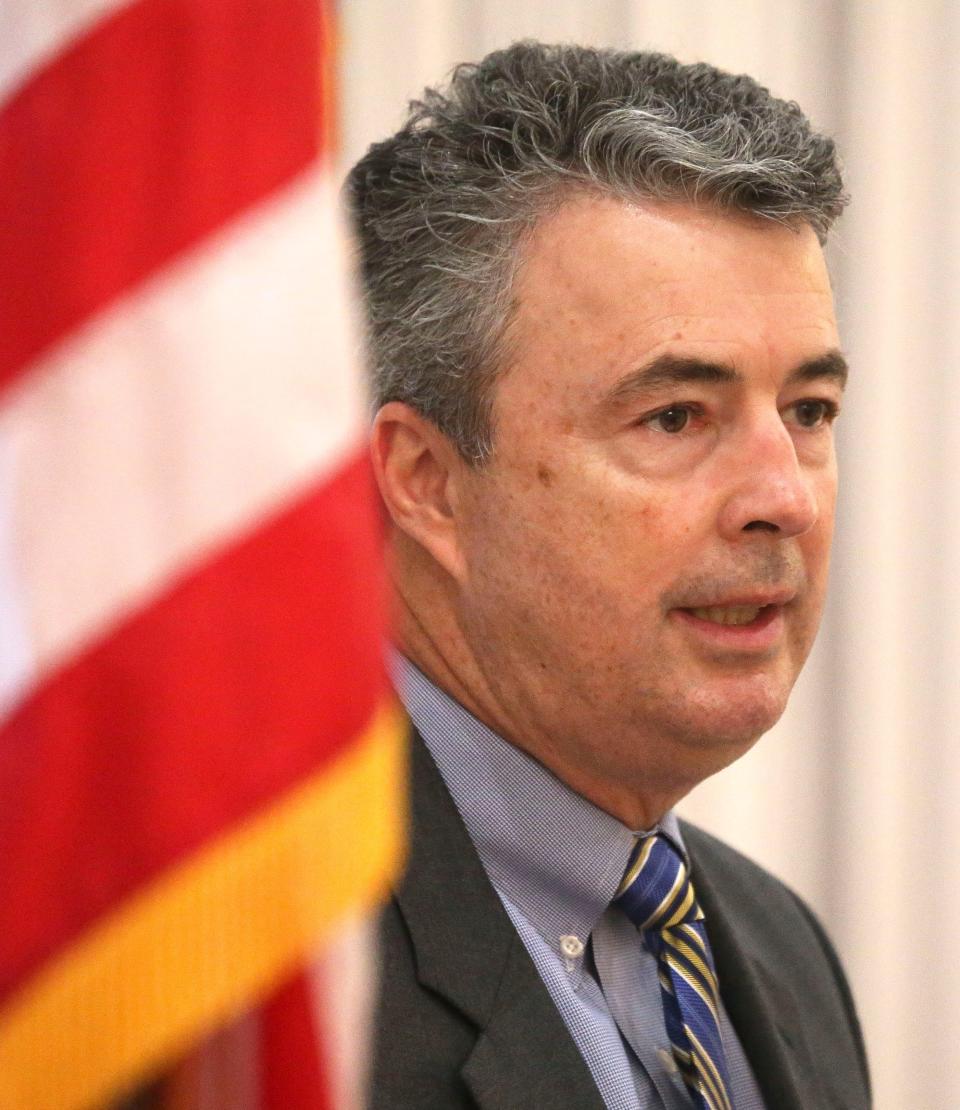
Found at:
<point>657,896</point>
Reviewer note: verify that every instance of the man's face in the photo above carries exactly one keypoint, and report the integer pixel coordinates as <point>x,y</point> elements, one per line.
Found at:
<point>645,555</point>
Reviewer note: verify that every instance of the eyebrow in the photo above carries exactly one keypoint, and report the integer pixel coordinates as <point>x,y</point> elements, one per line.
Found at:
<point>832,366</point>
<point>671,370</point>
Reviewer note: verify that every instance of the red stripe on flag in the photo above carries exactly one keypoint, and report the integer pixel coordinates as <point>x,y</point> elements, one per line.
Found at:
<point>291,1070</point>
<point>211,702</point>
<point>144,136</point>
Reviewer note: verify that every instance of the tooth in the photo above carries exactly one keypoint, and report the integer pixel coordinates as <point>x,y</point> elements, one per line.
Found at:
<point>731,614</point>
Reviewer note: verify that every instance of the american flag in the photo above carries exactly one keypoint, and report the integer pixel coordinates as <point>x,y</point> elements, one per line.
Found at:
<point>198,754</point>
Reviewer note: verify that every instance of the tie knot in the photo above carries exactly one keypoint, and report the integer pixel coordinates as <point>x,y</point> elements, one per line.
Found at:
<point>656,892</point>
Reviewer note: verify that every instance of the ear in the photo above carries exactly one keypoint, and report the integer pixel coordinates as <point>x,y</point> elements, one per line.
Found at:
<point>418,470</point>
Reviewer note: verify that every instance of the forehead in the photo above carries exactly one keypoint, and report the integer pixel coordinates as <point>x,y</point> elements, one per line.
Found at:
<point>603,284</point>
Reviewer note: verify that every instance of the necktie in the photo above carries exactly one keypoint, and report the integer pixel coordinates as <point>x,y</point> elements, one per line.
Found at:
<point>657,895</point>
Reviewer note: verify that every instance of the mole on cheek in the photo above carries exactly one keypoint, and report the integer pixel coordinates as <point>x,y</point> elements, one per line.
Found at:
<point>545,476</point>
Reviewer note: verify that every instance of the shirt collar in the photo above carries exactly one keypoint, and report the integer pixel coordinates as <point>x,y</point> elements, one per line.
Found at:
<point>554,855</point>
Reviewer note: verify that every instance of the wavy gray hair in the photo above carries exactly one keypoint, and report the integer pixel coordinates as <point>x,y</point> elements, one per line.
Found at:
<point>441,207</point>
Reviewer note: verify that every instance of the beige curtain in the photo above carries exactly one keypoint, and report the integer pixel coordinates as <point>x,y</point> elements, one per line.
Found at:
<point>853,797</point>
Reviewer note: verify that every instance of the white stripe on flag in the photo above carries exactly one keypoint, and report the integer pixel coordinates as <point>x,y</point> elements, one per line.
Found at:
<point>32,33</point>
<point>343,980</point>
<point>16,663</point>
<point>240,343</point>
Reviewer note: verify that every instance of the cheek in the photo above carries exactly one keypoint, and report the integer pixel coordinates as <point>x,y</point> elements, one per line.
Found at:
<point>817,543</point>
<point>637,530</point>
<point>614,555</point>
<point>578,533</point>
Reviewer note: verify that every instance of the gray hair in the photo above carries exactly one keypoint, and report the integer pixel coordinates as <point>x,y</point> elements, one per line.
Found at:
<point>441,207</point>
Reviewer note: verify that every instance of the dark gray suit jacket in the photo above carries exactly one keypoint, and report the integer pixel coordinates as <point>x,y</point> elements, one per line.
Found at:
<point>464,1019</point>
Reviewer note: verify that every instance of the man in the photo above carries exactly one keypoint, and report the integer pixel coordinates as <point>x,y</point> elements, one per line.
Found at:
<point>606,371</point>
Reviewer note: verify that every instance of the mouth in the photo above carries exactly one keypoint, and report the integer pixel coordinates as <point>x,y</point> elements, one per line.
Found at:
<point>742,627</point>
<point>730,615</point>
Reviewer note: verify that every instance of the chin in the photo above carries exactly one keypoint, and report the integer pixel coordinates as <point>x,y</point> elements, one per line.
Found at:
<point>741,724</point>
<point>731,721</point>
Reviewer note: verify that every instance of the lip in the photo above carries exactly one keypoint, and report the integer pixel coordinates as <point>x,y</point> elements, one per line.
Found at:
<point>758,598</point>
<point>760,635</point>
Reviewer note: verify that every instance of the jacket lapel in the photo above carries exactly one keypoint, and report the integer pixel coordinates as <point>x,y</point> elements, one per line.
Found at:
<point>468,951</point>
<point>525,1056</point>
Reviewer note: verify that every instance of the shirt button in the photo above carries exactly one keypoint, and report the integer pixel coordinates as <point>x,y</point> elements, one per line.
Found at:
<point>571,947</point>
<point>668,1061</point>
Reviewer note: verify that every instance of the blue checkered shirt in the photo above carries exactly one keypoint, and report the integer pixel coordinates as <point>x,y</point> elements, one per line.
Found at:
<point>556,860</point>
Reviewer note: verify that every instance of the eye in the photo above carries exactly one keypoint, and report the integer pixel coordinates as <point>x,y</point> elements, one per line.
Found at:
<point>813,412</point>
<point>671,420</point>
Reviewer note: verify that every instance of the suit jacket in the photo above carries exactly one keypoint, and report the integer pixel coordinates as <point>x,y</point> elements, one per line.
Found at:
<point>464,1020</point>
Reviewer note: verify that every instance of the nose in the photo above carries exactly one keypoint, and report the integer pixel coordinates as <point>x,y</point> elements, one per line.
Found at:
<point>770,490</point>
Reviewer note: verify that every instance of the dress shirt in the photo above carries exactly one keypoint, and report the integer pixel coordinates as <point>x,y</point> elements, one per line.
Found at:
<point>556,860</point>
